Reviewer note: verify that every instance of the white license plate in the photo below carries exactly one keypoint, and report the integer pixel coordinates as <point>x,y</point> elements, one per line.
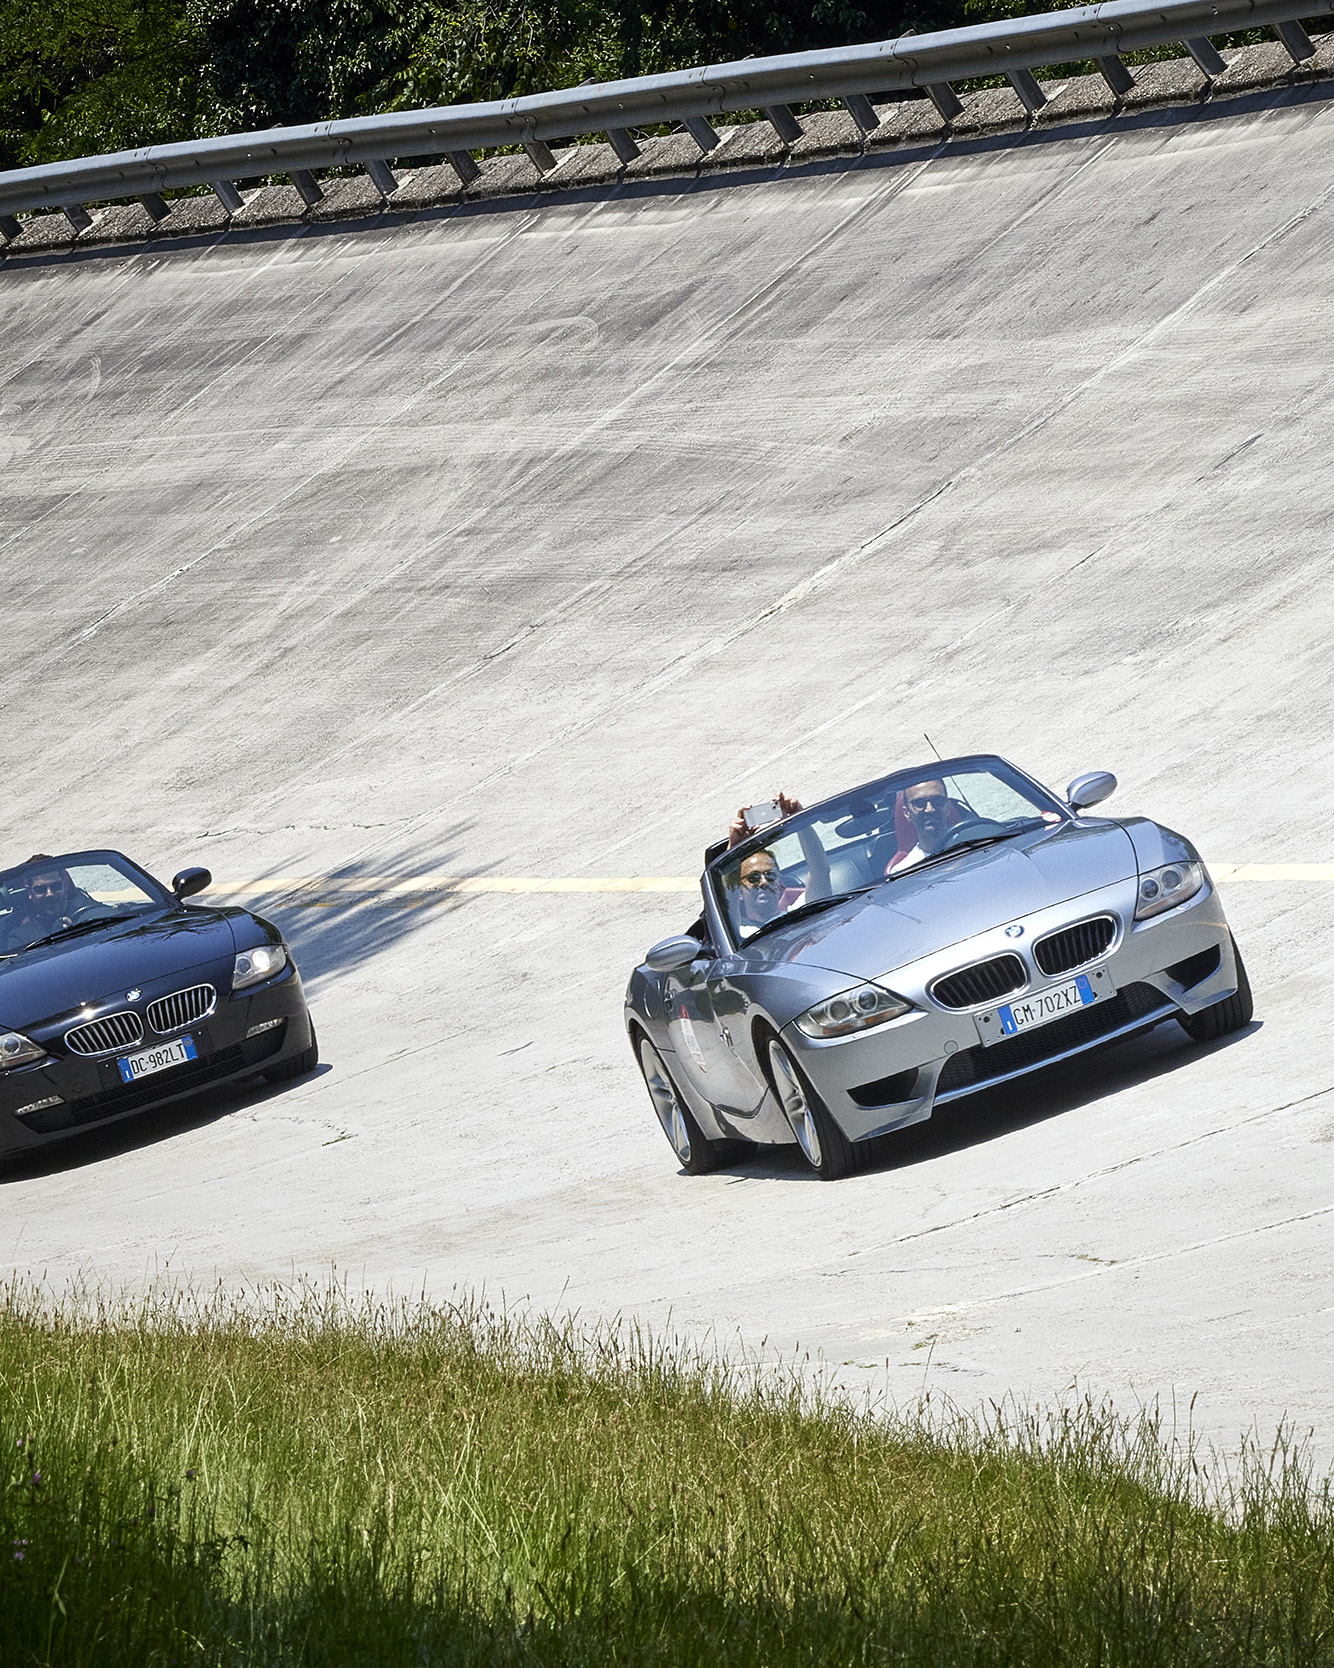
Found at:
<point>1045,1005</point>
<point>149,1060</point>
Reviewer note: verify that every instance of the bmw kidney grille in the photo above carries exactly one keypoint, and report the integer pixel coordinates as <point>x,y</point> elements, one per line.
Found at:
<point>984,981</point>
<point>181,1008</point>
<point>105,1036</point>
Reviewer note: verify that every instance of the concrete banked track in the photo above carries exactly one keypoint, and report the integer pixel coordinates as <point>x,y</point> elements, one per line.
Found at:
<point>528,540</point>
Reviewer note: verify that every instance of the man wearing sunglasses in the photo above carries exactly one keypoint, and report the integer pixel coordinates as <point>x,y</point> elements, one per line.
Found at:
<point>48,902</point>
<point>929,810</point>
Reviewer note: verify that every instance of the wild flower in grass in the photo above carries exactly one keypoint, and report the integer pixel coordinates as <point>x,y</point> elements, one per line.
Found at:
<point>37,1479</point>
<point>190,1474</point>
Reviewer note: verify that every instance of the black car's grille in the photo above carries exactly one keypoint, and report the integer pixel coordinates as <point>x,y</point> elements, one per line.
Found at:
<point>181,1008</point>
<point>105,1036</point>
<point>973,1067</point>
<point>985,981</point>
<point>1074,946</point>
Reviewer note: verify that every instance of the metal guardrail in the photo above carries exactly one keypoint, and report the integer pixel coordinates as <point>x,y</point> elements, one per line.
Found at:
<point>912,63</point>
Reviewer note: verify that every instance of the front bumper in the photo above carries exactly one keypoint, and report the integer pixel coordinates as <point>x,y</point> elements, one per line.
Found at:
<point>245,1033</point>
<point>896,1074</point>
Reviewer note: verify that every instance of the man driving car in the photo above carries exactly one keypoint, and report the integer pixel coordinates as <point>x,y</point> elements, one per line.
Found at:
<point>48,903</point>
<point>927,805</point>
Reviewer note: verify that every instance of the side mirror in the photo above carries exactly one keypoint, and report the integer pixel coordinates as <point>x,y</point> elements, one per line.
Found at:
<point>190,881</point>
<point>673,953</point>
<point>1090,789</point>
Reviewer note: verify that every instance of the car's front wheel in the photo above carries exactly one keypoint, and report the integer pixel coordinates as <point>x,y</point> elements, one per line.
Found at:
<point>695,1152</point>
<point>1231,1014</point>
<point>823,1144</point>
<point>304,1062</point>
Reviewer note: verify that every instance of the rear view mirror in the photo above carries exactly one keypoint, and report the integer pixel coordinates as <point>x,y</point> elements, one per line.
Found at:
<point>1090,789</point>
<point>190,881</point>
<point>673,953</point>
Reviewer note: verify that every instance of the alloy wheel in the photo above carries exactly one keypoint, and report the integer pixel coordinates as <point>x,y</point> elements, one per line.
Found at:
<point>662,1092</point>
<point>796,1108</point>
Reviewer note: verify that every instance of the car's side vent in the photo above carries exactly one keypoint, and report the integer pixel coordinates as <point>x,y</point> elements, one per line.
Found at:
<point>105,1036</point>
<point>984,981</point>
<point>1074,946</point>
<point>181,1008</point>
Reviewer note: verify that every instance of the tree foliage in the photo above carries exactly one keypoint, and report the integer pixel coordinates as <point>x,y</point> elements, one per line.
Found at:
<point>82,76</point>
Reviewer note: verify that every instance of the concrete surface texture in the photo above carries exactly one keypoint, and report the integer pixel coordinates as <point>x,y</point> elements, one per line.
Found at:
<point>528,541</point>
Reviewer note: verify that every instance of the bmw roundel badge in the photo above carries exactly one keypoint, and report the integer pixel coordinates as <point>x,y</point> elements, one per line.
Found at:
<point>1014,932</point>
<point>133,995</point>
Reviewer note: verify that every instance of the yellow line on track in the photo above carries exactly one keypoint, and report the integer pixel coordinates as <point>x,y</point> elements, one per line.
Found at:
<point>1226,874</point>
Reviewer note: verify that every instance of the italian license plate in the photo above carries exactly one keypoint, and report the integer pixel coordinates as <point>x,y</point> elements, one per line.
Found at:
<point>1045,1005</point>
<point>149,1060</point>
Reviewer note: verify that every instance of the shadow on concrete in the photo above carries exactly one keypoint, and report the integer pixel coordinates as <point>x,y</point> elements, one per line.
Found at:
<point>1240,106</point>
<point>992,1114</point>
<point>345,919</point>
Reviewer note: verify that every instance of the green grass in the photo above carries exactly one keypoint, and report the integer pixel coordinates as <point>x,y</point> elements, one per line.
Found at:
<point>297,1481</point>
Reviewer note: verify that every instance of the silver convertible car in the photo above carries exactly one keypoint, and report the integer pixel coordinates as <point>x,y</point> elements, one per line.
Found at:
<point>916,940</point>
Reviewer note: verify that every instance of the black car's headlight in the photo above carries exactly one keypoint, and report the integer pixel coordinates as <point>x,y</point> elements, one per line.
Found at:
<point>852,1010</point>
<point>252,967</point>
<point>18,1050</point>
<point>1167,887</point>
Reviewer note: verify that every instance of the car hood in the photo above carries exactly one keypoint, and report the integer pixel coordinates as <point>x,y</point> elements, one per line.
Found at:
<point>926,910</point>
<point>41,984</point>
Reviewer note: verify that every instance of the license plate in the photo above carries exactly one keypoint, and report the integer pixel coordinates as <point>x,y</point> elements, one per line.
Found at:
<point>149,1060</point>
<point>1045,1005</point>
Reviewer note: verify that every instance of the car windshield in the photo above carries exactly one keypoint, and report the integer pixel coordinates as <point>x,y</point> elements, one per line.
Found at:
<point>50,896</point>
<point>873,834</point>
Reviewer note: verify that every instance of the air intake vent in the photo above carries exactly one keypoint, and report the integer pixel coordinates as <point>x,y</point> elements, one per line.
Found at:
<point>985,981</point>
<point>105,1036</point>
<point>1074,946</point>
<point>181,1008</point>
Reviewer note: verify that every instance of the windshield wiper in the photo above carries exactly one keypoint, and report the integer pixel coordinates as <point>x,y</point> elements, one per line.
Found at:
<point>812,906</point>
<point>71,932</point>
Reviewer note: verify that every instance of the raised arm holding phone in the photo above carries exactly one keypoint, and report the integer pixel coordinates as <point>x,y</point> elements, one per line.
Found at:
<point>763,892</point>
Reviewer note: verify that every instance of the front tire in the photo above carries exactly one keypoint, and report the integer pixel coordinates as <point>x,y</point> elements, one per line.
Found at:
<point>823,1144</point>
<point>1233,1013</point>
<point>304,1062</point>
<point>695,1153</point>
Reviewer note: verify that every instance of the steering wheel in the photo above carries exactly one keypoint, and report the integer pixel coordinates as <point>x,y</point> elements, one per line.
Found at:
<point>973,828</point>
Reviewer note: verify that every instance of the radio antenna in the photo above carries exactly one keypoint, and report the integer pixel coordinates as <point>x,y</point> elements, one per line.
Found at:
<point>931,744</point>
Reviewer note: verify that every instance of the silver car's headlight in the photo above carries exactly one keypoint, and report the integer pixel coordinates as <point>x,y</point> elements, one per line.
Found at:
<point>252,967</point>
<point>1167,887</point>
<point>18,1050</point>
<point>852,1010</point>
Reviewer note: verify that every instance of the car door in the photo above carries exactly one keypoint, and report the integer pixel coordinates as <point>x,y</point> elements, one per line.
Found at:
<point>702,1044</point>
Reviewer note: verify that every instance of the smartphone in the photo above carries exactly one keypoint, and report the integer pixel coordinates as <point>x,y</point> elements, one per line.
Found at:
<point>761,815</point>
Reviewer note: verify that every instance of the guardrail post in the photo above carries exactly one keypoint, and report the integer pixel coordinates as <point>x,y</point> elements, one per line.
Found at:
<point>1114,72</point>
<point>307,186</point>
<point>703,132</point>
<point>464,166</point>
<point>227,194</point>
<point>78,217</point>
<point>1206,55</point>
<point>862,111</point>
<point>381,177</point>
<point>539,154</point>
<point>157,209</point>
<point>1025,83</point>
<point>620,141</point>
<point>1297,41</point>
<point>945,99</point>
<point>783,121</point>
<point>10,226</point>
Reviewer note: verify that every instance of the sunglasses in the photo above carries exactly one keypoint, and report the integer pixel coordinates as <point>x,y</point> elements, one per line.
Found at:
<point>926,804</point>
<point>48,889</point>
<point>768,878</point>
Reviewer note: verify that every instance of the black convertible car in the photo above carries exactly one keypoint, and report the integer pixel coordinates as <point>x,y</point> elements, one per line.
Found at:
<point>117,995</point>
